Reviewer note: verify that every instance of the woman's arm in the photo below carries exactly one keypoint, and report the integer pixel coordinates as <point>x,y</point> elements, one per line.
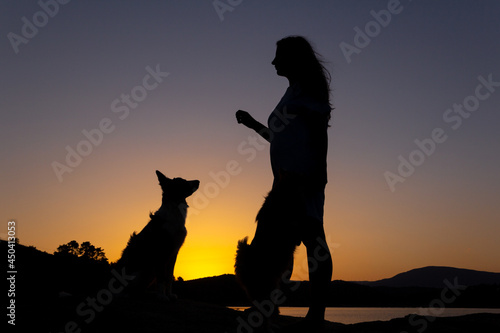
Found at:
<point>246,119</point>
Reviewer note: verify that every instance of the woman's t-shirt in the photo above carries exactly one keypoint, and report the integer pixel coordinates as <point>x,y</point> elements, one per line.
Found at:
<point>299,141</point>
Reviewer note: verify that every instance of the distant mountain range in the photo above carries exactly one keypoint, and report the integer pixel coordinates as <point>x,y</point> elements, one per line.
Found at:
<point>416,288</point>
<point>434,277</point>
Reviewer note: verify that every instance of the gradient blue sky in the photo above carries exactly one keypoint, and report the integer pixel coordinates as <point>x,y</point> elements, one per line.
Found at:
<point>395,90</point>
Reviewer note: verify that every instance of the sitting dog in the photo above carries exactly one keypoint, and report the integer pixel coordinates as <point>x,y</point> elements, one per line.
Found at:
<point>151,254</point>
<point>268,259</point>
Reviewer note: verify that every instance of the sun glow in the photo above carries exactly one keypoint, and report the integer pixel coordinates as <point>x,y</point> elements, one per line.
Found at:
<point>195,263</point>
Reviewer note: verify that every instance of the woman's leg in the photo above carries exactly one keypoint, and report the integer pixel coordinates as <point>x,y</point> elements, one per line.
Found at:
<point>320,269</point>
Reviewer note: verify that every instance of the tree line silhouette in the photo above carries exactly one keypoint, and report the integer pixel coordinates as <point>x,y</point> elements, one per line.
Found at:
<point>85,251</point>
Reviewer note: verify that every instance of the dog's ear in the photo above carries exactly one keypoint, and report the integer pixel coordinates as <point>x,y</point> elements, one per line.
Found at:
<point>162,178</point>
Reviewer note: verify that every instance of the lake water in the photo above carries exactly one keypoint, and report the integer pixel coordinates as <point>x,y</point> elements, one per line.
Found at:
<point>359,315</point>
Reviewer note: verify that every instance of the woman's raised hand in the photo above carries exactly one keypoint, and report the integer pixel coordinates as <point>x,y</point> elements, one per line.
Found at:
<point>245,118</point>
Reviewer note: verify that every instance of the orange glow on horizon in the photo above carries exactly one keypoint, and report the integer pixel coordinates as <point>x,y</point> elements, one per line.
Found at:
<point>383,239</point>
<point>210,246</point>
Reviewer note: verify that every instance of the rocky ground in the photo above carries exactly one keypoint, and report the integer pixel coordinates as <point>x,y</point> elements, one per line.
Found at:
<point>148,316</point>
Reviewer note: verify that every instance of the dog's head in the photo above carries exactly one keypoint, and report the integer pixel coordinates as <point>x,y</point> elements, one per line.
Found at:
<point>177,188</point>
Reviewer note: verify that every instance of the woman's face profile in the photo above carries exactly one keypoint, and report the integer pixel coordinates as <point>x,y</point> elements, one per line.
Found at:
<point>282,63</point>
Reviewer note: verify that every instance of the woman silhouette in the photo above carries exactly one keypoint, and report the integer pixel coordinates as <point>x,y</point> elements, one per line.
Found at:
<point>297,132</point>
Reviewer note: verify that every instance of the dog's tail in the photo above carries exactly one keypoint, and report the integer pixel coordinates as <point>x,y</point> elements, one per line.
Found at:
<point>243,242</point>
<point>241,252</point>
<point>243,267</point>
<point>242,256</point>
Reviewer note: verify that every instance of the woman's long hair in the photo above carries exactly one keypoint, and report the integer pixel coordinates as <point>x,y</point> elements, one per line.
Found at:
<point>309,70</point>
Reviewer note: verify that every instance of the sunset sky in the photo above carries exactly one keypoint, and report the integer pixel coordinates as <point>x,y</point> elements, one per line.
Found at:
<point>138,86</point>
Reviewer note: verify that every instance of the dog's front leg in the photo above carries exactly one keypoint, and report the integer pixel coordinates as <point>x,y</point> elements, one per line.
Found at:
<point>166,277</point>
